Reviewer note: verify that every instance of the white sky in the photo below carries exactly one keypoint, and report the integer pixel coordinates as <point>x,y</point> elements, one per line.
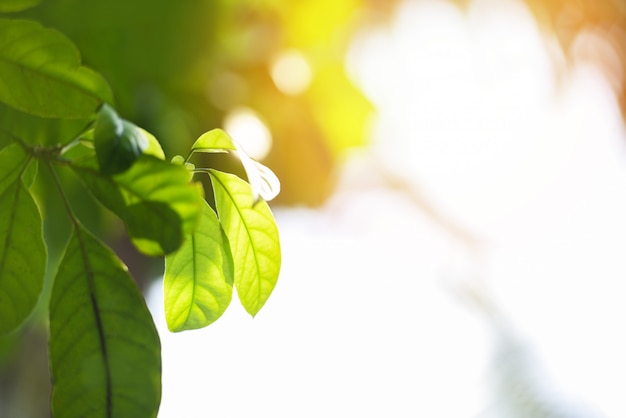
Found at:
<point>474,114</point>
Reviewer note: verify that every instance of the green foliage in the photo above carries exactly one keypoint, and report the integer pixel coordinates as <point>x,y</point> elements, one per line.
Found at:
<point>103,346</point>
<point>118,142</point>
<point>254,241</point>
<point>22,250</point>
<point>198,283</point>
<point>154,198</point>
<point>42,75</point>
<point>105,354</point>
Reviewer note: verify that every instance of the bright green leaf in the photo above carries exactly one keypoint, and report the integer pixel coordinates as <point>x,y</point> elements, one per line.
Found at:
<point>265,185</point>
<point>42,75</point>
<point>105,353</point>
<point>7,6</point>
<point>155,200</point>
<point>253,238</point>
<point>198,278</point>
<point>118,142</point>
<point>216,140</point>
<point>22,255</point>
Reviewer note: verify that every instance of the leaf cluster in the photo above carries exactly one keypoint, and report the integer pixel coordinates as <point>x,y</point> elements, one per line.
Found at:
<point>104,349</point>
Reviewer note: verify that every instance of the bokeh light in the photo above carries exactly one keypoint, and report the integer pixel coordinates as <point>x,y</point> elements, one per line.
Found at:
<point>291,72</point>
<point>246,127</point>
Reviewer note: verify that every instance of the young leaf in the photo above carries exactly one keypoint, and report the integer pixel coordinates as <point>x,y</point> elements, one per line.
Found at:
<point>198,283</point>
<point>155,200</point>
<point>105,353</point>
<point>42,75</point>
<point>265,185</point>
<point>22,255</point>
<point>216,140</point>
<point>118,142</point>
<point>253,238</point>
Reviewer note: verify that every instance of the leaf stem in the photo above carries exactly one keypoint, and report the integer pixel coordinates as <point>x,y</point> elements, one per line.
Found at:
<point>189,156</point>
<point>76,139</point>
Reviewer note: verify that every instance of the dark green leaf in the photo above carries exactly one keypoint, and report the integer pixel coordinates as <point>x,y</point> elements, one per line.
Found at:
<point>118,142</point>
<point>13,159</point>
<point>198,277</point>
<point>42,75</point>
<point>22,255</point>
<point>105,355</point>
<point>253,238</point>
<point>7,6</point>
<point>155,200</point>
<point>33,129</point>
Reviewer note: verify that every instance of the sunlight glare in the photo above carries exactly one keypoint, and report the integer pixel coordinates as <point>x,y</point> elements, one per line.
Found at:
<point>246,127</point>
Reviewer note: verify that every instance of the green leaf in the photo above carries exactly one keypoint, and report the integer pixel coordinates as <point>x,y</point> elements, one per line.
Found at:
<point>253,238</point>
<point>33,129</point>
<point>105,353</point>
<point>154,146</point>
<point>22,255</point>
<point>7,6</point>
<point>198,278</point>
<point>265,185</point>
<point>30,173</point>
<point>155,200</point>
<point>118,142</point>
<point>42,75</point>
<point>13,159</point>
<point>215,140</point>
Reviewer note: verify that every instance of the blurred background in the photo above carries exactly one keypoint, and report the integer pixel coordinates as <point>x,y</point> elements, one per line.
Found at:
<point>452,208</point>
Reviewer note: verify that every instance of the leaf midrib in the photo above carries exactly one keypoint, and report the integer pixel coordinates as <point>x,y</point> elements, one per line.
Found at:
<point>254,250</point>
<point>96,311</point>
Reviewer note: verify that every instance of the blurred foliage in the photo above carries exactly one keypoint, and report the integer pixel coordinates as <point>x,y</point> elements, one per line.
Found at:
<point>177,68</point>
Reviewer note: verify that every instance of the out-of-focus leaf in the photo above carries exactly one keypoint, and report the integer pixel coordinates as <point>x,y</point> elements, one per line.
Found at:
<point>154,146</point>
<point>118,142</point>
<point>33,129</point>
<point>105,355</point>
<point>7,6</point>
<point>198,277</point>
<point>22,249</point>
<point>42,75</point>
<point>155,200</point>
<point>253,238</point>
<point>216,140</point>
<point>341,110</point>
